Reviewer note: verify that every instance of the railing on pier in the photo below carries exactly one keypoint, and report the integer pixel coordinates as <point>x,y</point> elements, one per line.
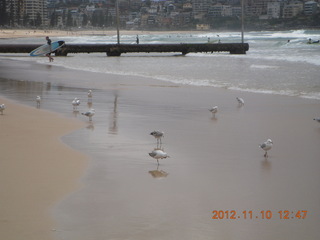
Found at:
<point>118,49</point>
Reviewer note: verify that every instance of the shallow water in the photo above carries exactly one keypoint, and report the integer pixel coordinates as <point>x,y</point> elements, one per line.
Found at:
<point>272,65</point>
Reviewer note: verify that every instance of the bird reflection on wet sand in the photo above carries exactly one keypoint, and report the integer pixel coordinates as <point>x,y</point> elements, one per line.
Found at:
<point>113,126</point>
<point>90,126</point>
<point>158,173</point>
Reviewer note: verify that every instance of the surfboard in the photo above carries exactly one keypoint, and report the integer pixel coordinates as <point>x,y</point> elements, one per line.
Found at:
<point>45,49</point>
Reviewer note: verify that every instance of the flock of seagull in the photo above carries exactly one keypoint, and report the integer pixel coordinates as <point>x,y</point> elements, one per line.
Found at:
<point>157,153</point>
<point>75,104</point>
<point>266,146</point>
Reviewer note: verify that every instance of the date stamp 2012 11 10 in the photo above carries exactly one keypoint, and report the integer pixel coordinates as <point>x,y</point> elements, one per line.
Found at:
<point>262,214</point>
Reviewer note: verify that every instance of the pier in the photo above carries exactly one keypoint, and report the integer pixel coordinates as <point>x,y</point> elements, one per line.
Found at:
<point>118,49</point>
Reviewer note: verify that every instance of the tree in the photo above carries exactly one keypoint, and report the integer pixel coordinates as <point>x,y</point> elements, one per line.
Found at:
<point>84,20</point>
<point>25,20</point>
<point>11,15</point>
<point>38,20</point>
<point>53,19</point>
<point>69,19</point>
<point>3,13</point>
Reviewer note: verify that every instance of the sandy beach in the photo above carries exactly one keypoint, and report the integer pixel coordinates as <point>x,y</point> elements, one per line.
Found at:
<point>37,169</point>
<point>23,33</point>
<point>215,163</point>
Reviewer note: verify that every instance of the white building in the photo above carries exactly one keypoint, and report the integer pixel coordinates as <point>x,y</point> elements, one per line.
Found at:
<point>273,10</point>
<point>33,9</point>
<point>292,9</point>
<point>310,7</point>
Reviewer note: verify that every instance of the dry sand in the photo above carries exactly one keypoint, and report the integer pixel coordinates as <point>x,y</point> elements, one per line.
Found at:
<point>37,169</point>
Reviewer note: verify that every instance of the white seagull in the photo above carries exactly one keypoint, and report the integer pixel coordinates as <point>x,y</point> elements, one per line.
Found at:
<point>2,107</point>
<point>240,101</point>
<point>38,99</point>
<point>75,103</point>
<point>90,94</point>
<point>317,119</point>
<point>266,146</point>
<point>214,110</point>
<point>158,154</point>
<point>158,135</point>
<point>89,114</point>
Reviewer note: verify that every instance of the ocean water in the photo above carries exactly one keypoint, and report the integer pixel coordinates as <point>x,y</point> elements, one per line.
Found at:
<point>272,65</point>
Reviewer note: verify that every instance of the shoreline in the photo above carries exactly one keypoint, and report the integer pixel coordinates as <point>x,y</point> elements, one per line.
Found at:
<point>37,169</point>
<point>25,33</point>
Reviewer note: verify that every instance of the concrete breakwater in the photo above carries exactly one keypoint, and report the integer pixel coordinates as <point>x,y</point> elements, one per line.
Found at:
<point>118,49</point>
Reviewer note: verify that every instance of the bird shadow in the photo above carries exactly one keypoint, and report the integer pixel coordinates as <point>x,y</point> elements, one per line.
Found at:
<point>158,173</point>
<point>75,113</point>
<point>266,164</point>
<point>90,126</point>
<point>89,103</point>
<point>214,118</point>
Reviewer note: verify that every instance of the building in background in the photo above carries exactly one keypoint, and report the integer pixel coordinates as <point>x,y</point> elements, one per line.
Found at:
<point>32,13</point>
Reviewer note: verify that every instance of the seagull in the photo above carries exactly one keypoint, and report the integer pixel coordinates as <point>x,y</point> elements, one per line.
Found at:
<point>158,135</point>
<point>2,107</point>
<point>317,119</point>
<point>89,114</point>
<point>75,103</point>
<point>38,99</point>
<point>90,94</point>
<point>240,101</point>
<point>214,110</point>
<point>158,154</point>
<point>266,146</point>
<point>89,98</point>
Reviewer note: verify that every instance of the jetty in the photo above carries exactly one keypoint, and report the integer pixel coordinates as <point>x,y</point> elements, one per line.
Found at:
<point>118,49</point>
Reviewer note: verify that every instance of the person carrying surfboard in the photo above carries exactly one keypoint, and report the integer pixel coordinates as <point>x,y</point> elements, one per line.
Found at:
<point>49,54</point>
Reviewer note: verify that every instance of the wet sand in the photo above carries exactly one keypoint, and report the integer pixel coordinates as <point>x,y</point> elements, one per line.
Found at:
<point>37,169</point>
<point>215,162</point>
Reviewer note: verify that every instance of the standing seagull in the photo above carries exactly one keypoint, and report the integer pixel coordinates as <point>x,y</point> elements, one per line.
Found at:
<point>240,101</point>
<point>266,146</point>
<point>2,107</point>
<point>317,119</point>
<point>90,97</point>
<point>90,94</point>
<point>214,110</point>
<point>38,99</point>
<point>75,103</point>
<point>158,154</point>
<point>158,135</point>
<point>89,114</point>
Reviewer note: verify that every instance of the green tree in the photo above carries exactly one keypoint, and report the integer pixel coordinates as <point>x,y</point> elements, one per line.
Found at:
<point>11,15</point>
<point>38,20</point>
<point>25,20</point>
<point>53,19</point>
<point>3,13</point>
<point>69,19</point>
<point>84,20</point>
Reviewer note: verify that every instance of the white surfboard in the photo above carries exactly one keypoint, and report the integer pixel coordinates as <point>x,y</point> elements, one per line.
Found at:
<point>45,49</point>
